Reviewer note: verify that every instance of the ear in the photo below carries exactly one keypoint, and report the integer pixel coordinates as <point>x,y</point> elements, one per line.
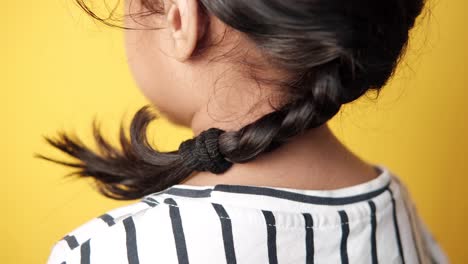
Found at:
<point>183,22</point>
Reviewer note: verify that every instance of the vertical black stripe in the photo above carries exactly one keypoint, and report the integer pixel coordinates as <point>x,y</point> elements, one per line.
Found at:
<point>130,234</point>
<point>344,237</point>
<point>226,228</point>
<point>108,219</point>
<point>373,238</point>
<point>85,253</point>
<point>397,229</point>
<point>309,239</point>
<point>271,236</point>
<point>178,231</point>
<point>71,241</point>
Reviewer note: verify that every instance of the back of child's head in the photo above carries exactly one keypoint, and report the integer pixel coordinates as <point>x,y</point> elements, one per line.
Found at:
<point>331,53</point>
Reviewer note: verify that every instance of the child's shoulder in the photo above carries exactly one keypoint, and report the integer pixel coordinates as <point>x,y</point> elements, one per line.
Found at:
<point>106,223</point>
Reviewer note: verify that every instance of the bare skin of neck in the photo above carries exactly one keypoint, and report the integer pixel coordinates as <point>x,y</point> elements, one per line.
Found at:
<point>316,160</point>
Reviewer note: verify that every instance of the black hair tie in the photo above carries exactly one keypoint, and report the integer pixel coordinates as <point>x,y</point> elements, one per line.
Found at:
<point>202,152</point>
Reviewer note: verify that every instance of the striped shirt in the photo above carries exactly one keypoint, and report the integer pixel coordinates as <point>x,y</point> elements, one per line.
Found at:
<point>373,222</point>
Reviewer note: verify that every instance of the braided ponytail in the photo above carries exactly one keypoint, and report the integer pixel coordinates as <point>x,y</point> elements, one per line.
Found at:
<point>334,52</point>
<point>138,169</point>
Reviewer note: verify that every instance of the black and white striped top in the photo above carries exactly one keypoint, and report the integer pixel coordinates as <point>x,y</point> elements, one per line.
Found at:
<point>373,222</point>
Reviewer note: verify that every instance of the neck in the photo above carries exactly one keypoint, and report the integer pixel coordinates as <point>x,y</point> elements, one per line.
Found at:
<point>314,160</point>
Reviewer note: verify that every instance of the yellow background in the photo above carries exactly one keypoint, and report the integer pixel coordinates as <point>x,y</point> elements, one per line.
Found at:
<point>59,69</point>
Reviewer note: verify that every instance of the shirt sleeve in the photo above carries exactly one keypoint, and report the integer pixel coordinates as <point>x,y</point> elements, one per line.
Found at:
<point>58,253</point>
<point>437,254</point>
<point>429,245</point>
<point>111,226</point>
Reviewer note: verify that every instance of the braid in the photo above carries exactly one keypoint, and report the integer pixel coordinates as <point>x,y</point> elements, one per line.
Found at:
<point>274,129</point>
<point>137,169</point>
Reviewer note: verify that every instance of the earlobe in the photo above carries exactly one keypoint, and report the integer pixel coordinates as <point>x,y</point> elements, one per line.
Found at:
<point>183,21</point>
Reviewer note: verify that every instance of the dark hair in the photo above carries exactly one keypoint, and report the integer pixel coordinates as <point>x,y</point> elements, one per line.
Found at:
<point>333,51</point>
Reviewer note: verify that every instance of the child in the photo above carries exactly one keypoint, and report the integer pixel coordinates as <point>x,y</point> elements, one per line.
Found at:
<point>264,180</point>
